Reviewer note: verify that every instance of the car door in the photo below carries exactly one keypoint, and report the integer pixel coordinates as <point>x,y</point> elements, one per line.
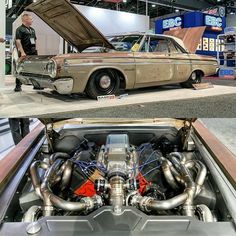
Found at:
<point>181,61</point>
<point>153,62</point>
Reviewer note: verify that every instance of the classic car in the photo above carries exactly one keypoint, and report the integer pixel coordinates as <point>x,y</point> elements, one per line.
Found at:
<point>103,177</point>
<point>150,61</point>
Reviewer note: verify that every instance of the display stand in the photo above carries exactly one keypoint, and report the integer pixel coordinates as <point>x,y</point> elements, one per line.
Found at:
<point>226,53</point>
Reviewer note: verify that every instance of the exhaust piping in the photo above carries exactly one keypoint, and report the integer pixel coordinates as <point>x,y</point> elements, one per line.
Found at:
<point>51,200</point>
<point>201,173</point>
<point>56,155</point>
<point>190,189</point>
<point>168,175</point>
<point>35,177</point>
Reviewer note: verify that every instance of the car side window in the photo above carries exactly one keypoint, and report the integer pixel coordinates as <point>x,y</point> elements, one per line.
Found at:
<point>174,48</point>
<point>159,45</point>
<point>127,42</point>
<point>162,46</point>
<point>155,44</point>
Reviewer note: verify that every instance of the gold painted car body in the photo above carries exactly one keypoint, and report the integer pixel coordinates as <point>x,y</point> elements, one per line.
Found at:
<point>137,68</point>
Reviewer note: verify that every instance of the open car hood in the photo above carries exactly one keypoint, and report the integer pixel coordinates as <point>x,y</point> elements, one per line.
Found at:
<point>69,23</point>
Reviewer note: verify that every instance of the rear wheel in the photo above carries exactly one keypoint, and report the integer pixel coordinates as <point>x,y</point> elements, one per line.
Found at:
<point>195,78</point>
<point>103,82</point>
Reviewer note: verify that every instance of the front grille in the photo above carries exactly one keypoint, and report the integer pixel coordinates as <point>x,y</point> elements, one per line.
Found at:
<point>35,75</point>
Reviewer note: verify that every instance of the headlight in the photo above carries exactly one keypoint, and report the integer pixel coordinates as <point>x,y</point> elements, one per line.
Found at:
<point>51,69</point>
<point>18,67</point>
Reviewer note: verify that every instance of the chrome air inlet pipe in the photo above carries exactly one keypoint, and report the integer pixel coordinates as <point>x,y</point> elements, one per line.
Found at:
<point>204,213</point>
<point>85,204</point>
<point>65,205</point>
<point>117,193</point>
<point>32,214</point>
<point>148,204</point>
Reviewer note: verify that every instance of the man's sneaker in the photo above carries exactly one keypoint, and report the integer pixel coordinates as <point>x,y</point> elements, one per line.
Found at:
<point>17,89</point>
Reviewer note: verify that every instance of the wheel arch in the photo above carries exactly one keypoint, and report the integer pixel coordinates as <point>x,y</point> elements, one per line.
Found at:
<point>198,70</point>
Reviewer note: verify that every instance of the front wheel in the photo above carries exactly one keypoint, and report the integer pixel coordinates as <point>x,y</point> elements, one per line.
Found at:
<point>102,82</point>
<point>195,78</point>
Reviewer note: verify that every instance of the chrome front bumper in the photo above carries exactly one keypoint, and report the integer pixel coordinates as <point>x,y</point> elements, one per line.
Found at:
<point>62,85</point>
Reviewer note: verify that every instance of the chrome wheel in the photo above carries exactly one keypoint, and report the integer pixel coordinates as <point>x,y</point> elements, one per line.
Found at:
<point>194,76</point>
<point>105,82</point>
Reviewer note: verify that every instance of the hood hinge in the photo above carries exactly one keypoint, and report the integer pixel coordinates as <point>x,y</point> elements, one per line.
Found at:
<point>49,135</point>
<point>187,131</point>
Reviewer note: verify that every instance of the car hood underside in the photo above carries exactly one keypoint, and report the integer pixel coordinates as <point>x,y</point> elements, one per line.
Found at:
<point>69,23</point>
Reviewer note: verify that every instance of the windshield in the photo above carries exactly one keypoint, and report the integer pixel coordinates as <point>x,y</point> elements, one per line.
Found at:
<point>120,42</point>
<point>125,42</point>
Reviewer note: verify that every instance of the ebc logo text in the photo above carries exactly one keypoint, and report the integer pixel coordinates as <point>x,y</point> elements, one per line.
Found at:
<point>213,21</point>
<point>171,23</point>
<point>225,72</point>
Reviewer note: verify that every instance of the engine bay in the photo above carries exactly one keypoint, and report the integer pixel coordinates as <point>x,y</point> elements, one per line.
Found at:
<point>149,171</point>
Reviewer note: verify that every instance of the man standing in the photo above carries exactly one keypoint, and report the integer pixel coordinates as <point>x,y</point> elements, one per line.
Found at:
<point>25,42</point>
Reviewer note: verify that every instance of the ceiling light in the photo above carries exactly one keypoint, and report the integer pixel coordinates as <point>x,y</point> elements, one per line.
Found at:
<point>231,11</point>
<point>153,5</point>
<point>176,10</point>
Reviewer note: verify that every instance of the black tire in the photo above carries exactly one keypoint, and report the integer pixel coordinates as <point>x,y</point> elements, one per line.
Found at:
<point>94,86</point>
<point>195,78</point>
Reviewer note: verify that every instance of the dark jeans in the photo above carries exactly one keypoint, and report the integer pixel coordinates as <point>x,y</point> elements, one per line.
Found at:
<point>19,128</point>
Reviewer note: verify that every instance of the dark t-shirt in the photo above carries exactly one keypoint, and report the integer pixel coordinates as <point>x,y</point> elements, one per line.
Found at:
<point>28,38</point>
